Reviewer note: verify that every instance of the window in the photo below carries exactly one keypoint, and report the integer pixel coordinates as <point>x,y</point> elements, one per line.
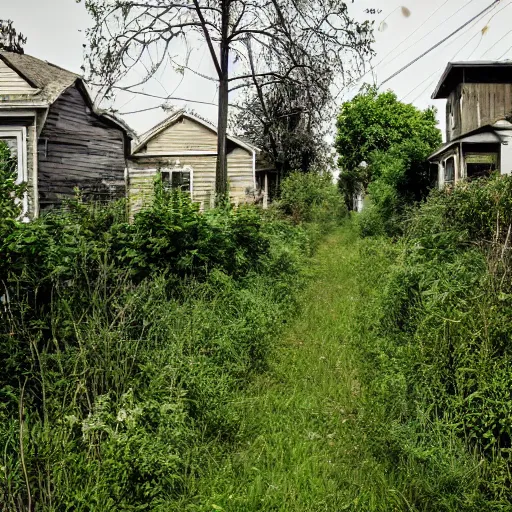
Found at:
<point>480,164</point>
<point>16,139</point>
<point>178,179</point>
<point>42,148</point>
<point>449,170</point>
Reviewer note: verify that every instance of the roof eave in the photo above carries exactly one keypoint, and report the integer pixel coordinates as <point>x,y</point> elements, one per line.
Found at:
<point>436,93</point>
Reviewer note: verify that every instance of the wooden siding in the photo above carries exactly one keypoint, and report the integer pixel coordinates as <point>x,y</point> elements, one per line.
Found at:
<point>11,83</point>
<point>476,105</point>
<point>78,149</point>
<point>142,173</point>
<point>184,135</point>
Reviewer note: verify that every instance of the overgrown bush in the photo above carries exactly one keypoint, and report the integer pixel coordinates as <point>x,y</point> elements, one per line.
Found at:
<point>311,197</point>
<point>437,360</point>
<point>122,345</point>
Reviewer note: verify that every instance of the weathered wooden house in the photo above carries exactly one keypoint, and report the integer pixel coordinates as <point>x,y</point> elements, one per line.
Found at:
<point>478,128</point>
<point>61,141</point>
<point>183,150</point>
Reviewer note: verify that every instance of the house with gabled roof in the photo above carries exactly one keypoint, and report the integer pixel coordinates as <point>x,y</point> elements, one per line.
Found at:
<point>60,140</point>
<point>478,113</point>
<point>182,149</point>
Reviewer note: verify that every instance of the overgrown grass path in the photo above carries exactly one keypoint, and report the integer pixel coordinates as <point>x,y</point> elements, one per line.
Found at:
<point>299,449</point>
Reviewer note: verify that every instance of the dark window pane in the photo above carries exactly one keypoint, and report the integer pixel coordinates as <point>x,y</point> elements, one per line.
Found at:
<point>449,169</point>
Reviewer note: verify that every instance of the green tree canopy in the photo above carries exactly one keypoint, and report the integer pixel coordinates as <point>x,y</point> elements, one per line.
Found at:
<point>394,138</point>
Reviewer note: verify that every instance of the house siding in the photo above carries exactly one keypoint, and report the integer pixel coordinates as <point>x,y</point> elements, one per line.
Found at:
<point>473,105</point>
<point>184,135</point>
<point>11,83</point>
<point>81,151</point>
<point>179,139</point>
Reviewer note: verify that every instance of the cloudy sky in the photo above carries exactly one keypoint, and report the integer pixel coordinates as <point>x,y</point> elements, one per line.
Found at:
<point>404,30</point>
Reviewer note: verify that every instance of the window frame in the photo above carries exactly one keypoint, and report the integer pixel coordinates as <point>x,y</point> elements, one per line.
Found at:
<point>445,161</point>
<point>185,169</point>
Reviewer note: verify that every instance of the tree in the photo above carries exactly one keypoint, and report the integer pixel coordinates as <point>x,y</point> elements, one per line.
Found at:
<point>288,125</point>
<point>268,42</point>
<point>10,39</point>
<point>392,137</point>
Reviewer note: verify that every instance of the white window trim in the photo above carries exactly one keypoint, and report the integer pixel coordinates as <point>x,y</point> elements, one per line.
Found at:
<point>20,133</point>
<point>185,168</point>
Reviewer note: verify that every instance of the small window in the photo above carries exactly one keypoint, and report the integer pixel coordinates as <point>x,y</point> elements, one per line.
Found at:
<point>42,148</point>
<point>479,165</point>
<point>449,170</point>
<point>179,179</point>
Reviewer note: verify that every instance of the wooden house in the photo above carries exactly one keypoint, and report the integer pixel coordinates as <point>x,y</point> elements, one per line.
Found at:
<point>61,141</point>
<point>183,150</point>
<point>478,128</point>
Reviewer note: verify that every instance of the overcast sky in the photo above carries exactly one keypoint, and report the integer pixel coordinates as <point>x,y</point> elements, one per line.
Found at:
<point>56,32</point>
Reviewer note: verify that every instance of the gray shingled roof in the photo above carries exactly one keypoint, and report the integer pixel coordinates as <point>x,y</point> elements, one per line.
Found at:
<point>51,80</point>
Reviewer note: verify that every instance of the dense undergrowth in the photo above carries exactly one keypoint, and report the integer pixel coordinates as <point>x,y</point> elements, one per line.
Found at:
<point>122,344</point>
<point>435,350</point>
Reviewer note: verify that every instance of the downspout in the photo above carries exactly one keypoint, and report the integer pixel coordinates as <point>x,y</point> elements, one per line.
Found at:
<point>254,169</point>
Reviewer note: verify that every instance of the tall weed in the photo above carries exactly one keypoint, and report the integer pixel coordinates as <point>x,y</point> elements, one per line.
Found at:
<point>436,360</point>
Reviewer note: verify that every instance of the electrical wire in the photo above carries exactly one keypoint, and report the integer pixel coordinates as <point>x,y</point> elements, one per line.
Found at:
<point>372,68</point>
<point>406,39</point>
<point>433,30</point>
<point>432,48</point>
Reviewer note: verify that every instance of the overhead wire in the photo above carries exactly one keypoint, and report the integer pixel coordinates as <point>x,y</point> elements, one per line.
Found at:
<point>429,79</point>
<point>405,40</point>
<point>372,69</point>
<point>434,29</point>
<point>432,48</point>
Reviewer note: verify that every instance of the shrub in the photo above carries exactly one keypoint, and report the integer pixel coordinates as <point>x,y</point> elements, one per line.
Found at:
<point>122,345</point>
<point>311,197</point>
<point>369,222</point>
<point>437,360</point>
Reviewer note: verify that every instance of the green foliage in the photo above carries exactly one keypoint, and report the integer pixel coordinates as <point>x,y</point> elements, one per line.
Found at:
<point>394,139</point>
<point>437,357</point>
<point>11,192</point>
<point>311,197</point>
<point>122,345</point>
<point>369,222</point>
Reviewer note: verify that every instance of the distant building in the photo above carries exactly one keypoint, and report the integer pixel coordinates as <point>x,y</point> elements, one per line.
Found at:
<point>60,140</point>
<point>183,150</point>
<point>478,127</point>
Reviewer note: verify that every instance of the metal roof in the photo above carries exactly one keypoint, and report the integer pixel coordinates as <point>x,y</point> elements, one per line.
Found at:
<point>477,71</point>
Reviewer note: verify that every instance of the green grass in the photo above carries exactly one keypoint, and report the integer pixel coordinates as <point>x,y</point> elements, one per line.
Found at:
<point>299,447</point>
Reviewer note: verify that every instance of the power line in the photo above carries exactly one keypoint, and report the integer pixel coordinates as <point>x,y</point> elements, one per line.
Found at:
<point>480,32</point>
<point>407,38</point>
<point>372,68</point>
<point>433,30</point>
<point>439,43</point>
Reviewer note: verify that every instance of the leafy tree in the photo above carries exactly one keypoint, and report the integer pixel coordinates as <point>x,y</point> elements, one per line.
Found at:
<point>268,43</point>
<point>10,39</point>
<point>393,138</point>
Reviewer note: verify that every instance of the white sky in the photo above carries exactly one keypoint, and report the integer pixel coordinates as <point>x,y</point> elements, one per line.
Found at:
<point>56,32</point>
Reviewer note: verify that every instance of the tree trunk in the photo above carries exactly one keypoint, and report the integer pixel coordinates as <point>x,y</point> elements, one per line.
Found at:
<point>221,174</point>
